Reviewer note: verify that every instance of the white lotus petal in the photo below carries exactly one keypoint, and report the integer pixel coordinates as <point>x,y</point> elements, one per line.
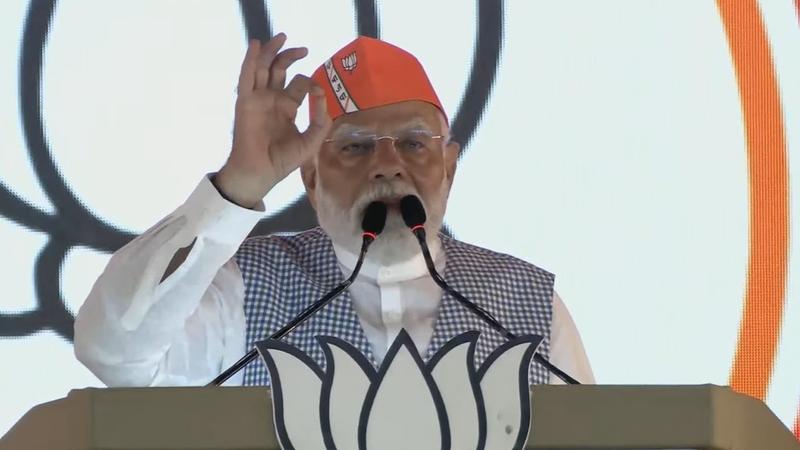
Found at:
<point>658,168</point>
<point>507,406</point>
<point>453,379</point>
<point>348,389</point>
<point>18,271</point>
<point>139,115</point>
<point>296,389</point>
<point>447,58</point>
<point>82,266</point>
<point>403,414</point>
<point>314,32</point>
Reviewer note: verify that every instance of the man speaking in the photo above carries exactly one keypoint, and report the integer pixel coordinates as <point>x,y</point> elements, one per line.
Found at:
<point>187,298</point>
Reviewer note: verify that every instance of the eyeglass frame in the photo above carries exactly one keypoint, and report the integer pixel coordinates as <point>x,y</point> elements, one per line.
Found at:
<point>375,138</point>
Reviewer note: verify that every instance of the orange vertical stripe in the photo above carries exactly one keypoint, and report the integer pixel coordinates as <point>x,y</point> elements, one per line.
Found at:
<point>759,330</point>
<point>797,424</point>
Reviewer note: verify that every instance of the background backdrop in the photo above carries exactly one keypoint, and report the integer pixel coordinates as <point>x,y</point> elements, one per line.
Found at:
<point>641,150</point>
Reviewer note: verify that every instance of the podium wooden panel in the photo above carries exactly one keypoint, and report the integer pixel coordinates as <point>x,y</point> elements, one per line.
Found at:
<point>564,417</point>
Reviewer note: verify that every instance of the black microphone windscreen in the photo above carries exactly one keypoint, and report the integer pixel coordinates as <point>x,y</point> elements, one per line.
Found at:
<point>412,211</point>
<point>374,218</point>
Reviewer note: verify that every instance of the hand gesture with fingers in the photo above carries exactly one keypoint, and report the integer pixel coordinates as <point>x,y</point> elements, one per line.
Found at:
<point>267,146</point>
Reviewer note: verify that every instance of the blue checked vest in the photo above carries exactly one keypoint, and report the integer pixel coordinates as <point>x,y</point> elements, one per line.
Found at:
<point>284,274</point>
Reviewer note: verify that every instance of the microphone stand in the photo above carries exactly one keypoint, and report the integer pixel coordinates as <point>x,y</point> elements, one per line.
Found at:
<point>419,232</point>
<point>368,238</point>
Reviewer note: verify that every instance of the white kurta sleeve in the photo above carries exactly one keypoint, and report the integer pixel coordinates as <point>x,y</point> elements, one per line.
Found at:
<point>566,348</point>
<point>136,330</point>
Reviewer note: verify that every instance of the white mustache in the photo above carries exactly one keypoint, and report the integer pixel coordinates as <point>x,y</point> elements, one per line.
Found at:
<point>384,190</point>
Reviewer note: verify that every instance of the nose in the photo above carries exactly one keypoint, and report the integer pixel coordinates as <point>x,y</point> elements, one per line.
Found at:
<point>387,163</point>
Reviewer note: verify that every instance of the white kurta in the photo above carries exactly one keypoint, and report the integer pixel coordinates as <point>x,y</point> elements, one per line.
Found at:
<point>134,330</point>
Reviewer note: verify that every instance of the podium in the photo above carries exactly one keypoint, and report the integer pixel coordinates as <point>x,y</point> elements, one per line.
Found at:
<point>563,417</point>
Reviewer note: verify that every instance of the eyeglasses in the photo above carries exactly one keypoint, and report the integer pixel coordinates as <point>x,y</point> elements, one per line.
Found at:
<point>410,141</point>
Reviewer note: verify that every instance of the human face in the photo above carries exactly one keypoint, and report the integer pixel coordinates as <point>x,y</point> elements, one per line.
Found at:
<point>345,176</point>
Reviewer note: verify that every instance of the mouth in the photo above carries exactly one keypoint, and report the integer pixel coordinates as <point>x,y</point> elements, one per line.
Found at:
<point>392,202</point>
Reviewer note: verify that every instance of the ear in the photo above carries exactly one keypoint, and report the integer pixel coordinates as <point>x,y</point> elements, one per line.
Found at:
<point>308,172</point>
<point>451,152</point>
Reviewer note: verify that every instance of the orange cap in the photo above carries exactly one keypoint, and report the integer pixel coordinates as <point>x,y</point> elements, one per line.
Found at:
<point>368,73</point>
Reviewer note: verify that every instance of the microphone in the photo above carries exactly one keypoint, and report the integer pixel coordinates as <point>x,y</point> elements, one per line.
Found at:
<point>372,225</point>
<point>414,216</point>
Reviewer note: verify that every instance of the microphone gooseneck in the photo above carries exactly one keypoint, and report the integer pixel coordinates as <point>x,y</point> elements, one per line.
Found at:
<point>372,225</point>
<point>414,217</point>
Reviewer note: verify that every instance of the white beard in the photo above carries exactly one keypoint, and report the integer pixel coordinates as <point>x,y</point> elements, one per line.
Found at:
<point>396,243</point>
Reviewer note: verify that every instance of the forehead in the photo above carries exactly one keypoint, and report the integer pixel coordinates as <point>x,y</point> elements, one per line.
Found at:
<point>407,114</point>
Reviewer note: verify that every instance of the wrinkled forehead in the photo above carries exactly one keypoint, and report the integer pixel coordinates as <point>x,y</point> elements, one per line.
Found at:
<point>391,118</point>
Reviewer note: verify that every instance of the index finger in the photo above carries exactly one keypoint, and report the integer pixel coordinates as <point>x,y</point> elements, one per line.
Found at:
<point>247,76</point>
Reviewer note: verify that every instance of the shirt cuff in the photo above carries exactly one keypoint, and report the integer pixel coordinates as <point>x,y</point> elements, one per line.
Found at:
<point>209,214</point>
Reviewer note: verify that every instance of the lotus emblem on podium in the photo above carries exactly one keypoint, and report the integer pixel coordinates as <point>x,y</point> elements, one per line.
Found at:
<point>406,403</point>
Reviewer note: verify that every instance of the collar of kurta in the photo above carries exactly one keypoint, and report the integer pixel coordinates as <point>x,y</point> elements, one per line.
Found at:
<point>393,273</point>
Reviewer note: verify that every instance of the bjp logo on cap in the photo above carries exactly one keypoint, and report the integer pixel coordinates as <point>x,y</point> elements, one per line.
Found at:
<point>349,62</point>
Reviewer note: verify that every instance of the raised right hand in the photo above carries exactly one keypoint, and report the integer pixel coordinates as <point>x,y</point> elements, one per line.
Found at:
<point>267,146</point>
